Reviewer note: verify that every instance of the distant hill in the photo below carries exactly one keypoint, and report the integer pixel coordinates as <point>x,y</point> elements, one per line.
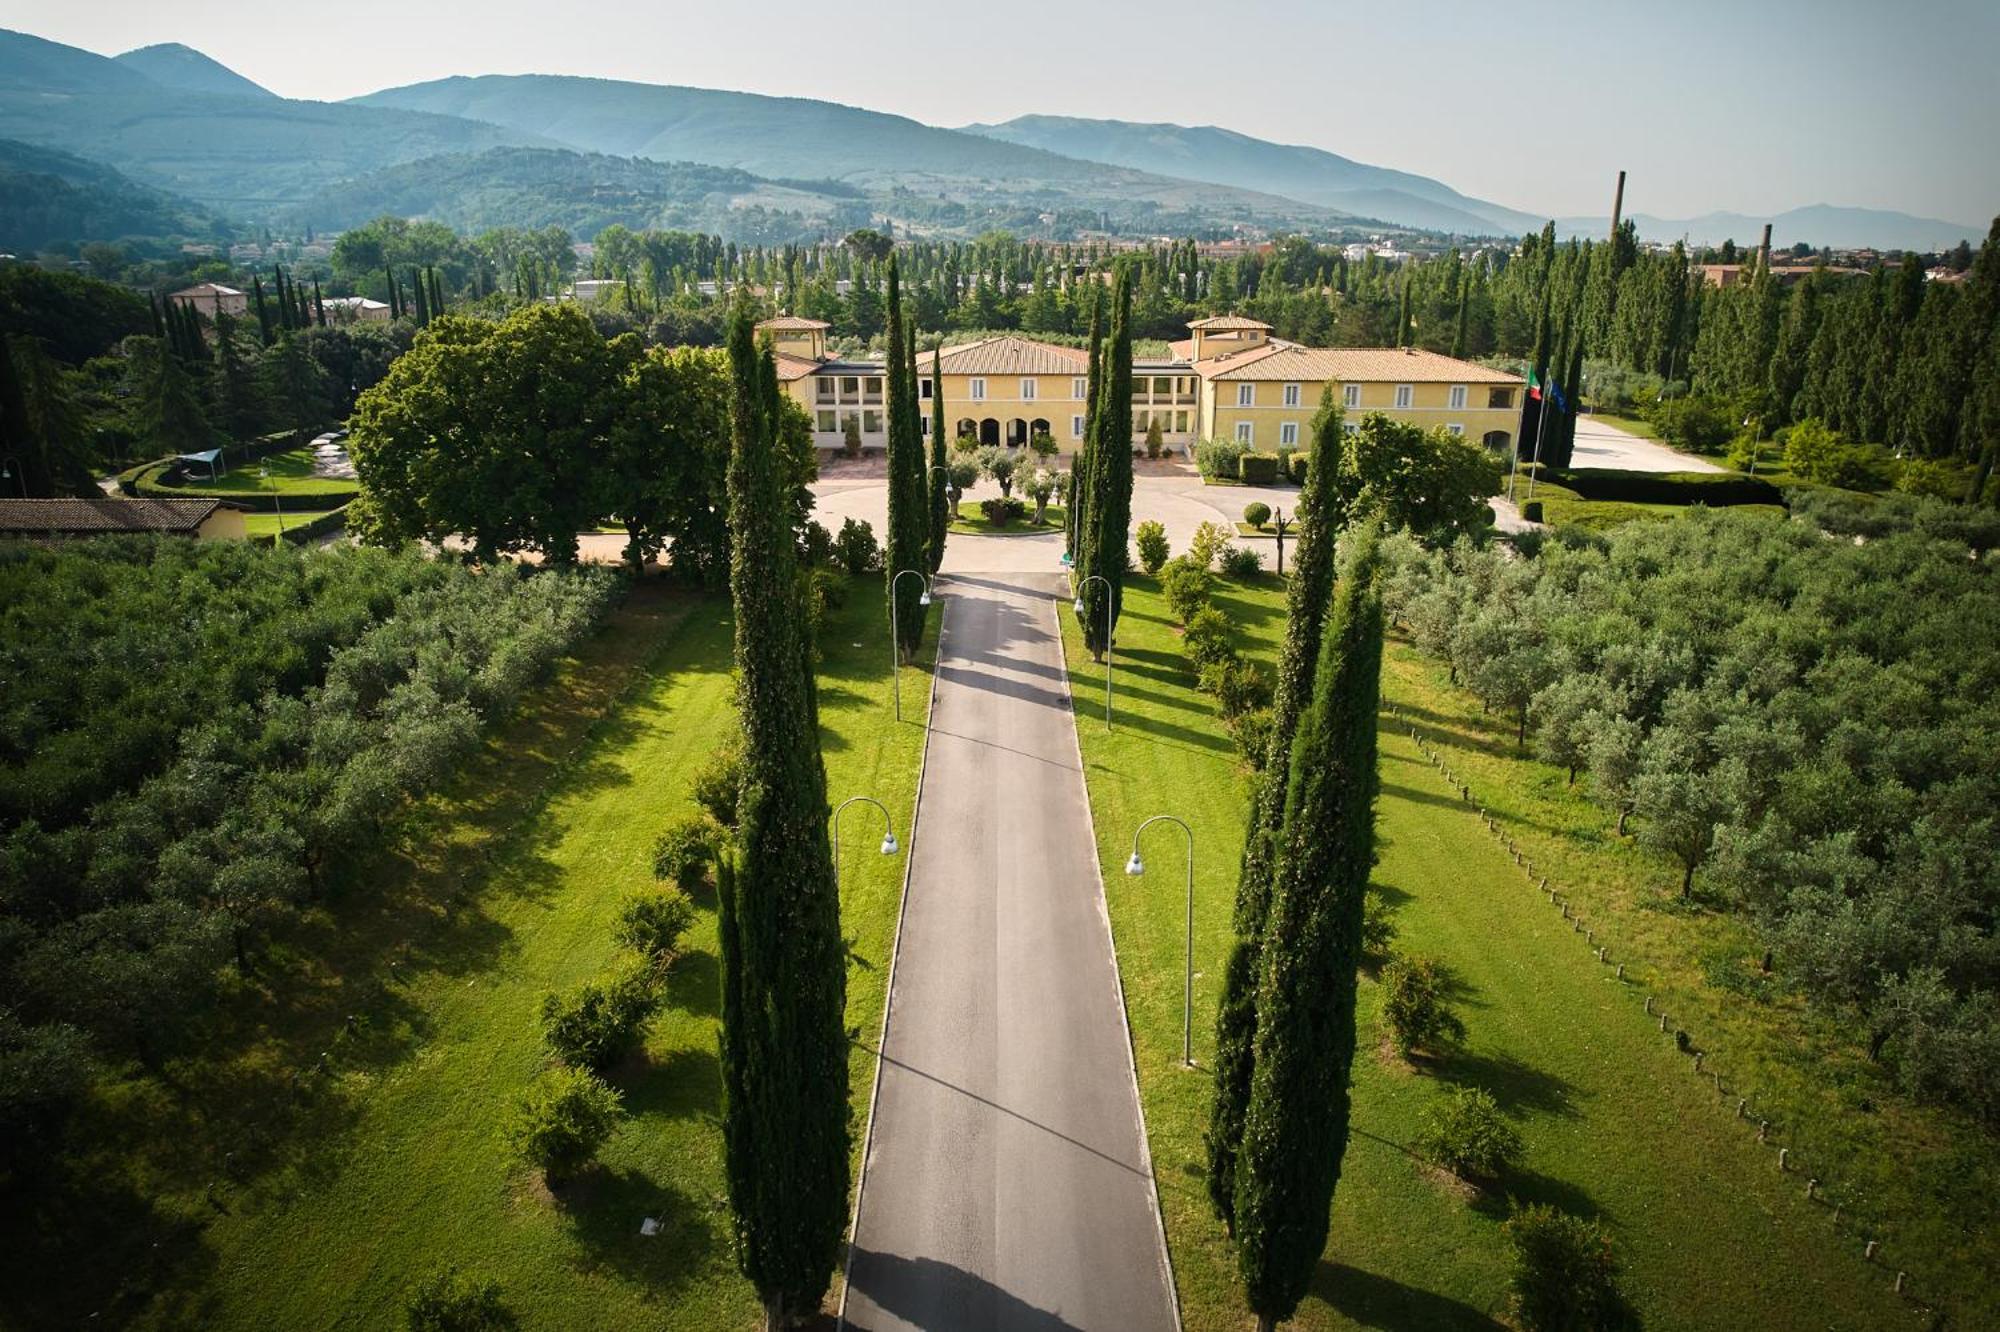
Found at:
<point>797,137</point>
<point>48,196</point>
<point>34,64</point>
<point>1229,158</point>
<point>1816,225</point>
<point>172,65</point>
<point>586,192</point>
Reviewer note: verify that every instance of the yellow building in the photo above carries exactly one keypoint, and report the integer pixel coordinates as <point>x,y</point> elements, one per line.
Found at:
<point>1007,390</point>
<point>834,392</point>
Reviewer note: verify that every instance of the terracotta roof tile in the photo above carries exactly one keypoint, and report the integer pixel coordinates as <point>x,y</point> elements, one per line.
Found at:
<point>1009,355</point>
<point>792,324</point>
<point>1227,321</point>
<point>1359,365</point>
<point>102,513</point>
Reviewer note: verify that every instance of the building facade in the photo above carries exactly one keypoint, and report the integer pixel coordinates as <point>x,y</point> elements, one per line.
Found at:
<point>211,299</point>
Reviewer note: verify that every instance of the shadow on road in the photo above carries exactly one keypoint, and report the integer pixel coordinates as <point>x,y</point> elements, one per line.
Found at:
<point>931,1294</point>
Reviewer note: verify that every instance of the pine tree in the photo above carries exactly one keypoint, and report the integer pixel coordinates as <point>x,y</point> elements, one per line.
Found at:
<point>784,1051</point>
<point>939,477</point>
<point>1320,517</point>
<point>1296,1126</point>
<point>909,507</point>
<point>1107,546</point>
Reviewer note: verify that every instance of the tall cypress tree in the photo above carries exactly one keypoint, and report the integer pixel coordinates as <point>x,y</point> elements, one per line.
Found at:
<point>937,475</point>
<point>1077,520</point>
<point>784,1052</point>
<point>263,309</point>
<point>423,298</point>
<point>1107,544</point>
<point>319,305</point>
<point>1296,1126</point>
<point>909,508</point>
<point>1321,515</point>
<point>1464,305</point>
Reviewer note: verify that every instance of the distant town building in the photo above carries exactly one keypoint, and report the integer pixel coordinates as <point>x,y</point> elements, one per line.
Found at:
<point>212,299</point>
<point>1728,275</point>
<point>356,310</point>
<point>592,290</point>
<point>104,515</point>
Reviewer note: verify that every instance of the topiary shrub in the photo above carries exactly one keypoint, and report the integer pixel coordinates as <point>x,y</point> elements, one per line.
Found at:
<point>1257,514</point>
<point>1238,686</point>
<point>850,436</point>
<point>562,1121</point>
<point>1003,512</point>
<point>1414,1005</point>
<point>653,921</point>
<point>684,852</point>
<point>1565,1276</point>
<point>1216,459</point>
<point>1151,538</point>
<point>1532,511</point>
<point>1207,637</point>
<point>1153,439</point>
<point>1296,466</point>
<point>449,1301</point>
<point>1241,562</point>
<point>1209,541</point>
<point>599,1022</point>
<point>718,786</point>
<point>1187,587</point>
<point>856,547</point>
<point>1466,1134</point>
<point>1257,469</point>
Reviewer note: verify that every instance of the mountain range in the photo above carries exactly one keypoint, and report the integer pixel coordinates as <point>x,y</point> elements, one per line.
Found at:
<point>531,149</point>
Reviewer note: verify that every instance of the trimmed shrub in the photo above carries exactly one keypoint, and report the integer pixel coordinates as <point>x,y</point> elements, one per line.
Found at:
<point>599,1022</point>
<point>1700,424</point>
<point>1565,1276</point>
<point>815,545</point>
<point>1715,489</point>
<point>1296,465</point>
<point>1257,469</point>
<point>1238,686</point>
<point>718,787</point>
<point>1153,440</point>
<point>653,921</point>
<point>1257,514</point>
<point>1466,1134</point>
<point>1217,459</point>
<point>850,436</point>
<point>685,850</point>
<point>1207,637</point>
<point>1187,587</point>
<point>1532,511</point>
<point>856,547</point>
<point>1252,733</point>
<point>562,1121</point>
<point>1209,541</point>
<point>1414,1005</point>
<point>1241,562</point>
<point>452,1302</point>
<point>1151,539</point>
<point>1004,512</point>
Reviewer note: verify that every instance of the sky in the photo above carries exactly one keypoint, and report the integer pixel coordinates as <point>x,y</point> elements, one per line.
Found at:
<point>1536,104</point>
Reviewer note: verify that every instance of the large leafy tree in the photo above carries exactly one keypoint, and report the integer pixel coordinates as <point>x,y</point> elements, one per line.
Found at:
<point>784,1053</point>
<point>666,460</point>
<point>1320,515</point>
<point>1431,483</point>
<point>1296,1124</point>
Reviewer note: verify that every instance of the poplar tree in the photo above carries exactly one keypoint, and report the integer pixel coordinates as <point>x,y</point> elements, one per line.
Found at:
<point>784,1052</point>
<point>1106,547</point>
<point>937,475</point>
<point>1320,516</point>
<point>1296,1126</point>
<point>909,508</point>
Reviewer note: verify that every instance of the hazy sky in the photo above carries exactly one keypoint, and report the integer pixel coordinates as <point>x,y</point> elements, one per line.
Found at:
<point>1751,108</point>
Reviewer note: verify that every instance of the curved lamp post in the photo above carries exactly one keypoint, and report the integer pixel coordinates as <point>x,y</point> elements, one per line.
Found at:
<point>8,464</point>
<point>277,500</point>
<point>889,847</point>
<point>895,637</point>
<point>1135,866</point>
<point>1077,606</point>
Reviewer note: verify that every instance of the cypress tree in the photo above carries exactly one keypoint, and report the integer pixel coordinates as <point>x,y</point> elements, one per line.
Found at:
<point>1403,313</point>
<point>263,310</point>
<point>1077,520</point>
<point>423,298</point>
<point>1296,1126</point>
<point>1464,304</point>
<point>395,305</point>
<point>159,320</point>
<point>1321,515</point>
<point>437,292</point>
<point>784,1051</point>
<point>938,477</point>
<point>909,508</point>
<point>319,305</point>
<point>1107,545</point>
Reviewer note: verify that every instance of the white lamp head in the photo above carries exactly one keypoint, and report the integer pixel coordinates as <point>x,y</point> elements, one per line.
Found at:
<point>1077,605</point>
<point>1135,865</point>
<point>889,847</point>
<point>925,598</point>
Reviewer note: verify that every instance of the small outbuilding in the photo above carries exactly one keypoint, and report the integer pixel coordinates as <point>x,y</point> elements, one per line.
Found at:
<point>106,515</point>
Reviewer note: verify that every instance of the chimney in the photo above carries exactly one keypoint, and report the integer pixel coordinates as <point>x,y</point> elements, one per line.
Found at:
<point>1618,204</point>
<point>1764,250</point>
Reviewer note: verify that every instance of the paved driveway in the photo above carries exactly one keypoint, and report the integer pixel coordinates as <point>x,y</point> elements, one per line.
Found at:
<point>1601,444</point>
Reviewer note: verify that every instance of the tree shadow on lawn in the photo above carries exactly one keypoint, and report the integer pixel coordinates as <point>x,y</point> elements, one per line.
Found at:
<point>694,984</point>
<point>1521,1187</point>
<point>682,1084</point>
<point>1520,1088</point>
<point>1372,1300</point>
<point>604,1208</point>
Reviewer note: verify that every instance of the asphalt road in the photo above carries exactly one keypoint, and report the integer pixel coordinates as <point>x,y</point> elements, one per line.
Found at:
<point>1007,1185</point>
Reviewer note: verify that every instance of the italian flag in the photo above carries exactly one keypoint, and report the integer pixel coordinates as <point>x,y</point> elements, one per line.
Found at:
<point>1534,385</point>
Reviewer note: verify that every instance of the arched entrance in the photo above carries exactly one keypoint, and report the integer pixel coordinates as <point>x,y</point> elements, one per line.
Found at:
<point>1496,440</point>
<point>1040,426</point>
<point>967,428</point>
<point>989,431</point>
<point>1017,433</point>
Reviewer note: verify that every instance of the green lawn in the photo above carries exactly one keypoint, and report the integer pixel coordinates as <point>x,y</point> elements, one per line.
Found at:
<point>504,889</point>
<point>291,473</point>
<point>972,520</point>
<point>1614,1122</point>
<point>268,524</point>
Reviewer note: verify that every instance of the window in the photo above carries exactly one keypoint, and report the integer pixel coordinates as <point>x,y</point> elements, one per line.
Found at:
<point>1076,427</point>
<point>923,388</point>
<point>1403,395</point>
<point>978,390</point>
<point>1163,386</point>
<point>1243,435</point>
<point>1499,399</point>
<point>824,385</point>
<point>871,423</point>
<point>826,424</point>
<point>923,425</point>
<point>1027,390</point>
<point>1079,388</point>
<point>850,387</point>
<point>1353,427</point>
<point>1246,395</point>
<point>1140,420</point>
<point>1458,397</point>
<point>1350,395</point>
<point>1456,428</point>
<point>1288,433</point>
<point>874,390</point>
<point>1291,395</point>
<point>1180,423</point>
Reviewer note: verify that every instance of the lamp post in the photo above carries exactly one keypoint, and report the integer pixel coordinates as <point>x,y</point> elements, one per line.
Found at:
<point>277,499</point>
<point>895,637</point>
<point>889,847</point>
<point>8,471</point>
<point>1135,866</point>
<point>1077,606</point>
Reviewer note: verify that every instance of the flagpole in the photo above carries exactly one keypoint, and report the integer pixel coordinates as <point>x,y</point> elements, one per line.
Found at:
<point>1541,419</point>
<point>1514,470</point>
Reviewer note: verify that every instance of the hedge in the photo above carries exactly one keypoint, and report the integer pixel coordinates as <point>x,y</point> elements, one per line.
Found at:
<point>1258,469</point>
<point>148,482</point>
<point>1715,489</point>
<point>315,527</point>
